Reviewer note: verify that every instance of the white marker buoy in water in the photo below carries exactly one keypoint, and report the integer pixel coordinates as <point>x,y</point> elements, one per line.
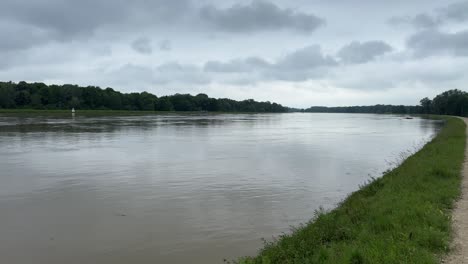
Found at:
<point>73,110</point>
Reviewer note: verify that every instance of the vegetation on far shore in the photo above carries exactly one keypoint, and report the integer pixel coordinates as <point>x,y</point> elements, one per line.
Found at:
<point>402,217</point>
<point>27,97</point>
<point>451,102</point>
<point>40,96</point>
<point>89,112</point>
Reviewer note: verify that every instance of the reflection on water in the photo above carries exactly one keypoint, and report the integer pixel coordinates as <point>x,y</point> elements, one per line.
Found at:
<point>180,188</point>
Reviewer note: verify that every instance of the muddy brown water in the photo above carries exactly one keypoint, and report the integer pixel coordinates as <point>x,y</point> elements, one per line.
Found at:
<point>194,188</point>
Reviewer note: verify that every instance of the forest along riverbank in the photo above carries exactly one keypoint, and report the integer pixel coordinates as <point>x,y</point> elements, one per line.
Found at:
<point>403,217</point>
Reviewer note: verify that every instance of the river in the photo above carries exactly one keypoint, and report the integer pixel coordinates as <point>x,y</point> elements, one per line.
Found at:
<point>181,188</point>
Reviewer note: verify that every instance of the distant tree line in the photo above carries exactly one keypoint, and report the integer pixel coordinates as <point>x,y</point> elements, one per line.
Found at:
<point>452,102</point>
<point>42,96</point>
<point>370,109</point>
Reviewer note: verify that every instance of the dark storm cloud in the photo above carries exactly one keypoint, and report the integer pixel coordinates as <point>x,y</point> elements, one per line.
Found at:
<point>259,16</point>
<point>142,45</point>
<point>433,42</point>
<point>357,52</point>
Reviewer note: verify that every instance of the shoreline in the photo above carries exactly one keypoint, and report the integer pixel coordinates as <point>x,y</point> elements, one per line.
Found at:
<point>120,112</point>
<point>459,246</point>
<point>143,112</point>
<point>402,217</point>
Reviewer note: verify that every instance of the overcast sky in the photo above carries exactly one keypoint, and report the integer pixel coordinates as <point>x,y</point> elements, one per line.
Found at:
<point>297,53</point>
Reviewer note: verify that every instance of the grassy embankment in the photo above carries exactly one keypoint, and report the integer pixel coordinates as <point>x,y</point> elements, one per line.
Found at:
<point>403,217</point>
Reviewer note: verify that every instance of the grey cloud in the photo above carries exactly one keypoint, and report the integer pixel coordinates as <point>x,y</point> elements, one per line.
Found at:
<point>18,36</point>
<point>432,42</point>
<point>357,52</point>
<point>102,50</point>
<point>134,71</point>
<point>176,72</point>
<point>226,67</point>
<point>425,21</point>
<point>457,12</point>
<point>45,21</point>
<point>64,20</point>
<point>303,64</point>
<point>142,45</point>
<point>68,19</point>
<point>236,66</point>
<point>165,45</point>
<point>306,58</point>
<point>171,72</point>
<point>435,72</point>
<point>7,60</point>
<point>63,17</point>
<point>297,75</point>
<point>419,21</point>
<point>259,16</point>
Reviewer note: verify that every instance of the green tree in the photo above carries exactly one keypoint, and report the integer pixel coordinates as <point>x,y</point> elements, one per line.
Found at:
<point>74,102</point>
<point>36,101</point>
<point>164,104</point>
<point>7,96</point>
<point>22,98</point>
<point>426,105</point>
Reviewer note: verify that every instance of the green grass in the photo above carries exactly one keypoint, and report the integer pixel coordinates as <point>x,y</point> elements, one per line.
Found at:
<point>402,217</point>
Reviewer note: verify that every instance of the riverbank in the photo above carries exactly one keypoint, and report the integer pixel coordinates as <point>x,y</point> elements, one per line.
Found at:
<point>402,217</point>
<point>459,254</point>
<point>115,112</point>
<point>78,112</point>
